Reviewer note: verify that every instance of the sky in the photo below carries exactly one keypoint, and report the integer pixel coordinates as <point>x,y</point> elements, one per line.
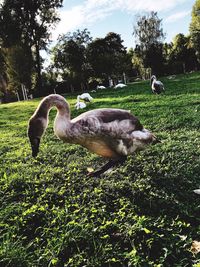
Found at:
<point>103,16</point>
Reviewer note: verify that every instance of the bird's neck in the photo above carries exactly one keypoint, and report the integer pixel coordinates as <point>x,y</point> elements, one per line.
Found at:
<point>152,80</point>
<point>50,101</point>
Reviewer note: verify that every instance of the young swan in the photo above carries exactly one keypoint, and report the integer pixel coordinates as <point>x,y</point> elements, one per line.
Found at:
<point>197,191</point>
<point>156,86</point>
<point>85,97</point>
<point>110,133</point>
<point>80,105</point>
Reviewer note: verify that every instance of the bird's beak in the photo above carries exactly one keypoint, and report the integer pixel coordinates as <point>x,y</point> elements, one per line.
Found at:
<point>35,143</point>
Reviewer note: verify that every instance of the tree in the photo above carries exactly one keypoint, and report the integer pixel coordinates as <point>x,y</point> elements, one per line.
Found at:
<point>179,55</point>
<point>149,36</point>
<point>195,28</point>
<point>79,37</point>
<point>107,56</point>
<point>28,22</point>
<point>148,30</point>
<point>3,75</point>
<point>19,66</point>
<point>180,50</point>
<point>137,61</point>
<point>69,55</point>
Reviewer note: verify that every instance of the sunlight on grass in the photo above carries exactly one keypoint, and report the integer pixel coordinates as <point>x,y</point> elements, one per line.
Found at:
<point>143,213</point>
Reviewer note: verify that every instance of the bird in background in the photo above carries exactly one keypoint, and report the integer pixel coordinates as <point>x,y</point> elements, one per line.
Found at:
<point>156,86</point>
<point>85,97</point>
<point>80,105</point>
<point>197,191</point>
<point>110,133</point>
<point>120,85</point>
<point>101,87</point>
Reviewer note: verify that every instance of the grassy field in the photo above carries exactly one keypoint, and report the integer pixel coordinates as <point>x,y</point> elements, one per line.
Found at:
<point>143,213</point>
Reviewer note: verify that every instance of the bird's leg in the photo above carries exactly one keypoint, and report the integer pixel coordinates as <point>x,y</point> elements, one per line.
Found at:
<point>108,165</point>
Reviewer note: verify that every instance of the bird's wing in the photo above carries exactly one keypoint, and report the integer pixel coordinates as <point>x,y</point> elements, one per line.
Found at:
<point>197,191</point>
<point>115,123</point>
<point>160,83</point>
<point>158,86</point>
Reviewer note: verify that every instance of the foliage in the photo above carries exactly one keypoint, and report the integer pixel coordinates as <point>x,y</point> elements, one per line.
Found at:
<point>69,52</point>
<point>19,66</point>
<point>28,22</point>
<point>107,56</point>
<point>148,30</point>
<point>82,58</point>
<point>3,75</point>
<point>148,33</point>
<point>183,53</point>
<point>79,37</point>
<point>69,55</point>
<point>143,213</point>
<point>195,27</point>
<point>155,59</point>
<point>168,58</point>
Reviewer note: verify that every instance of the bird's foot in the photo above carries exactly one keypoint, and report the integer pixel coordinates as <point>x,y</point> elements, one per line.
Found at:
<point>94,174</point>
<point>106,167</point>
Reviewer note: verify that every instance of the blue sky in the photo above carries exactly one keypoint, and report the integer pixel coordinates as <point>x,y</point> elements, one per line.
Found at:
<point>103,16</point>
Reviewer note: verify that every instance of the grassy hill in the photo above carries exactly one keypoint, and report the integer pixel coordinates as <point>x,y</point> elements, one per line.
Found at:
<point>143,213</point>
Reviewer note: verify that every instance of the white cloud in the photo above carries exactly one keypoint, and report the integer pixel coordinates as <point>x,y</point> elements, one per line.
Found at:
<point>176,16</point>
<point>134,5</point>
<point>90,11</point>
<point>69,20</point>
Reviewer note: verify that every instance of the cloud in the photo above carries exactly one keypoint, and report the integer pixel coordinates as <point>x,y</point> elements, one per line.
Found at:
<point>133,5</point>
<point>69,20</point>
<point>90,11</point>
<point>176,16</point>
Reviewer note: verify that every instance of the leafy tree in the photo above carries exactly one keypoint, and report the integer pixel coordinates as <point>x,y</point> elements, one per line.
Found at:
<point>19,66</point>
<point>195,28</point>
<point>69,55</point>
<point>149,36</point>
<point>107,56</point>
<point>69,52</point>
<point>180,55</point>
<point>148,30</point>
<point>28,22</point>
<point>182,52</point>
<point>118,54</point>
<point>96,54</point>
<point>154,58</point>
<point>16,69</point>
<point>79,37</point>
<point>137,60</point>
<point>3,76</point>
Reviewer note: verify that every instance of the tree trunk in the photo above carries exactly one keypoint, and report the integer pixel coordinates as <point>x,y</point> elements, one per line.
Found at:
<point>184,69</point>
<point>38,67</point>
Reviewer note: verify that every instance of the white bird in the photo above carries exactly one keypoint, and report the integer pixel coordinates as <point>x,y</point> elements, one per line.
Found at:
<point>197,191</point>
<point>120,85</point>
<point>101,87</point>
<point>156,86</point>
<point>80,105</point>
<point>85,96</point>
<point>110,133</point>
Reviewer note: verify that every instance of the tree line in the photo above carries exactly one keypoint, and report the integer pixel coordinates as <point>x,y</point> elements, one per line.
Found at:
<point>79,62</point>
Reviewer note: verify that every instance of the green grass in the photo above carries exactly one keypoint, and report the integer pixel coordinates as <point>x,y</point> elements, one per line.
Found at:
<point>143,213</point>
